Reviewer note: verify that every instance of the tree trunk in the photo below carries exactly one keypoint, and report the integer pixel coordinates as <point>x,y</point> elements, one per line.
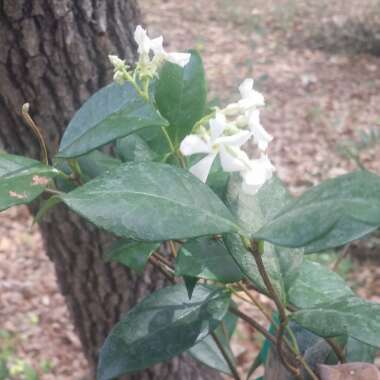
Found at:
<point>54,55</point>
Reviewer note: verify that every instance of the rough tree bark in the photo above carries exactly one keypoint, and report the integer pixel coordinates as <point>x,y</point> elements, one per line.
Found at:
<point>54,55</point>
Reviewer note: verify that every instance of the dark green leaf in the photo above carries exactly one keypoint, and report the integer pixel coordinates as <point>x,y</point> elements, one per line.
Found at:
<point>181,96</point>
<point>208,353</point>
<point>207,258</point>
<point>350,316</point>
<point>329,215</point>
<point>190,283</point>
<point>315,284</point>
<point>152,202</point>
<point>133,254</point>
<point>253,211</point>
<point>357,351</point>
<point>112,112</point>
<point>163,325</point>
<point>22,180</point>
<point>134,148</point>
<point>96,163</point>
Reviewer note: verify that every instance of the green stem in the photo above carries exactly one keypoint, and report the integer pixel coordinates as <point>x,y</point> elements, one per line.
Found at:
<point>227,358</point>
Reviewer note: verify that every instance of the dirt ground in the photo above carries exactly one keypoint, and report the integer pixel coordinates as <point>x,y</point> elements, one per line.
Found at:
<point>316,63</point>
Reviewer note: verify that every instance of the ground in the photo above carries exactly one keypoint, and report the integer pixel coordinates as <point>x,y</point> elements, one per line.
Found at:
<point>316,63</point>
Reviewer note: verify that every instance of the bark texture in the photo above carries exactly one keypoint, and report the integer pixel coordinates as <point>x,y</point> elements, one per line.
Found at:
<point>54,56</point>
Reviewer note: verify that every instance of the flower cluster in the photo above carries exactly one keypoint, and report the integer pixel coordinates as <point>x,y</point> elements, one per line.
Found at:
<point>224,135</point>
<point>151,56</point>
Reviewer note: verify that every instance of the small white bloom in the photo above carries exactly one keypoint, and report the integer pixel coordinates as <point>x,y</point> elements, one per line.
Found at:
<point>232,158</point>
<point>260,171</point>
<point>117,62</point>
<point>250,98</point>
<point>146,45</point>
<point>261,136</point>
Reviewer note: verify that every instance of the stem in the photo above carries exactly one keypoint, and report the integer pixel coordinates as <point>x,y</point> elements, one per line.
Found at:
<point>343,253</point>
<point>53,191</point>
<point>227,358</point>
<point>163,260</point>
<point>255,302</point>
<point>173,248</point>
<point>337,350</point>
<point>253,323</point>
<point>36,131</point>
<point>164,271</point>
<point>253,248</point>
<point>168,139</point>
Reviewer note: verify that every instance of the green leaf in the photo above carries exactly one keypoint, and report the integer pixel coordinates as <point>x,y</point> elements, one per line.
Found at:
<point>350,316</point>
<point>22,180</point>
<point>253,211</point>
<point>208,353</point>
<point>163,325</point>
<point>96,163</point>
<point>134,148</point>
<point>181,96</point>
<point>209,259</point>
<point>329,215</point>
<point>152,202</point>
<point>133,254</point>
<point>112,112</point>
<point>315,284</point>
<point>360,352</point>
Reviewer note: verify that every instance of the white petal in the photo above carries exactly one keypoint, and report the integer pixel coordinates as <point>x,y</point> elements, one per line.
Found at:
<point>232,109</point>
<point>193,144</point>
<point>254,99</point>
<point>238,139</point>
<point>202,168</point>
<point>142,40</point>
<point>232,160</point>
<point>180,59</point>
<point>217,125</point>
<point>246,87</point>
<point>156,44</point>
<point>260,172</point>
<point>261,136</point>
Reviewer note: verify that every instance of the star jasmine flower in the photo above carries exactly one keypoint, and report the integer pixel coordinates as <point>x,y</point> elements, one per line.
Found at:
<point>145,45</point>
<point>215,142</point>
<point>260,135</point>
<point>260,170</point>
<point>250,98</point>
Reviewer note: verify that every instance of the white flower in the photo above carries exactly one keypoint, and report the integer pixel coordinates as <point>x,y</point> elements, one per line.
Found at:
<point>260,171</point>
<point>145,45</point>
<point>251,98</point>
<point>260,135</point>
<point>232,158</point>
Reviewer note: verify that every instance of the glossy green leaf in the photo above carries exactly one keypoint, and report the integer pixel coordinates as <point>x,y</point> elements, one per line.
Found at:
<point>163,325</point>
<point>112,112</point>
<point>133,254</point>
<point>152,202</point>
<point>22,180</point>
<point>208,353</point>
<point>134,148</point>
<point>350,316</point>
<point>96,163</point>
<point>329,215</point>
<point>357,351</point>
<point>207,258</point>
<point>253,211</point>
<point>181,96</point>
<point>315,284</point>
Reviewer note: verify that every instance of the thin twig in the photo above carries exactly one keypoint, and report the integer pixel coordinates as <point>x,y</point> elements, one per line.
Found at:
<point>222,350</point>
<point>253,323</point>
<point>36,131</point>
<point>256,302</point>
<point>337,350</point>
<point>253,248</point>
<point>161,258</point>
<point>163,270</point>
<point>173,248</point>
<point>342,255</point>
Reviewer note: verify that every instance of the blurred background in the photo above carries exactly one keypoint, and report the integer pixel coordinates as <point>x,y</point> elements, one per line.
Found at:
<point>317,63</point>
